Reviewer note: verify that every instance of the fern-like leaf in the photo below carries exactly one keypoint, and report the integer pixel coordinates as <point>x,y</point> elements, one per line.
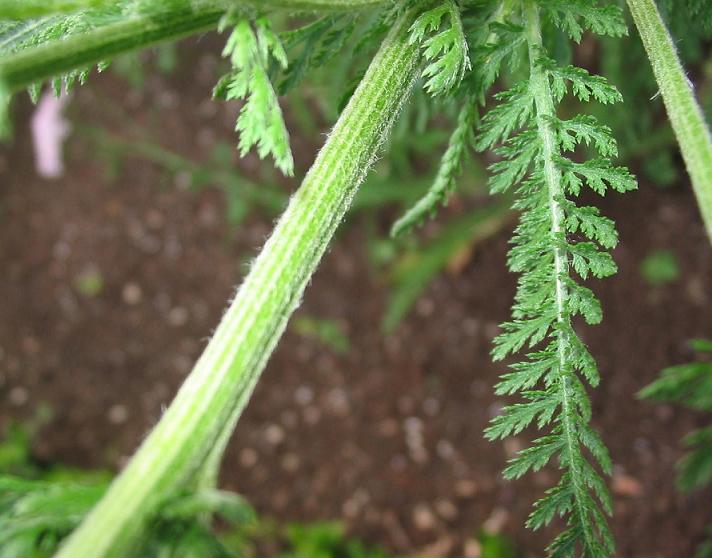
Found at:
<point>445,50</point>
<point>251,48</point>
<point>36,515</point>
<point>555,241</point>
<point>445,181</point>
<point>317,43</point>
<point>489,53</point>
<point>690,385</point>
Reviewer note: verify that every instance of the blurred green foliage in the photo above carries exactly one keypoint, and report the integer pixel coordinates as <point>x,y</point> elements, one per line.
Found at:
<point>41,504</point>
<point>495,545</point>
<point>417,267</point>
<point>89,283</point>
<point>327,332</point>
<point>691,385</point>
<point>325,540</point>
<point>660,268</point>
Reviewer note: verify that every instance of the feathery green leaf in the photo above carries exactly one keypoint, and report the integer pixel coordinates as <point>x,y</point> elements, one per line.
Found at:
<point>251,47</point>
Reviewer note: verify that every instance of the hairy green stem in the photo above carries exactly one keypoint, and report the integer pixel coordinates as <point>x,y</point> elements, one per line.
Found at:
<point>685,114</point>
<point>23,9</point>
<point>33,65</point>
<point>137,31</point>
<point>211,399</point>
<point>545,114</point>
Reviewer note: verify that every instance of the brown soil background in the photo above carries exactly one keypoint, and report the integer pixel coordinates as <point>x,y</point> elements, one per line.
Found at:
<point>388,437</point>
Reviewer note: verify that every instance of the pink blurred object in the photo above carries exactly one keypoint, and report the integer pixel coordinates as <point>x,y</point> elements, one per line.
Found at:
<point>49,130</point>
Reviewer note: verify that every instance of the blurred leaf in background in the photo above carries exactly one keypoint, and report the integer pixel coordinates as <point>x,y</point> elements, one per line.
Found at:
<point>325,331</point>
<point>413,271</point>
<point>326,540</point>
<point>660,268</point>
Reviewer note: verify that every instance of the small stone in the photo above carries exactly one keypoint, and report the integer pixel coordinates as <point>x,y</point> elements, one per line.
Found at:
<point>440,548</point>
<point>664,412</point>
<point>625,485</point>
<point>413,426</point>
<point>132,294</point>
<point>399,463</point>
<point>289,418</point>
<point>512,446</point>
<point>274,434</point>
<point>491,330</point>
<point>431,406</point>
<point>465,488</point>
<point>290,462</point>
<point>338,402</point>
<point>496,522</point>
<point>248,458</point>
<point>182,363</point>
<point>696,290</point>
<point>118,414</point>
<point>182,180</point>
<point>303,395</point>
<point>312,415</point>
<point>62,250</point>
<point>423,518</point>
<point>471,327</point>
<point>18,396</point>
<point>495,409</point>
<point>388,427</point>
<point>178,316</point>
<point>350,509</point>
<point>406,405</point>
<point>425,307</point>
<point>446,509</point>
<point>473,549</point>
<point>30,345</point>
<point>280,499</point>
<point>155,219</point>
<point>445,450</point>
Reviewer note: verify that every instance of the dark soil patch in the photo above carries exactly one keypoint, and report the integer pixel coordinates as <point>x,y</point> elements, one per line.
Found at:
<point>388,437</point>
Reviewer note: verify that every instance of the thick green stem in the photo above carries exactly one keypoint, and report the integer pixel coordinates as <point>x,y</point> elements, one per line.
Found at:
<point>82,50</point>
<point>685,113</point>
<point>212,397</point>
<point>545,113</point>
<point>22,9</point>
<point>138,31</point>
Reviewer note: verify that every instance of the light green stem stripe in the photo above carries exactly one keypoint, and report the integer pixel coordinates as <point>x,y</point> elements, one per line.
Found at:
<point>219,386</point>
<point>685,114</point>
<point>23,9</point>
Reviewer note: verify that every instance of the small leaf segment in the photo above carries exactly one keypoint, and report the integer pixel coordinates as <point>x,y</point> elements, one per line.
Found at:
<point>690,385</point>
<point>449,54</point>
<point>446,52</point>
<point>251,48</point>
<point>556,240</point>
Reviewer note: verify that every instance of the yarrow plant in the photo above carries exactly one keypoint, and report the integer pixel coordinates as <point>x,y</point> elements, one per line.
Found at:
<point>458,51</point>
<point>556,240</point>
